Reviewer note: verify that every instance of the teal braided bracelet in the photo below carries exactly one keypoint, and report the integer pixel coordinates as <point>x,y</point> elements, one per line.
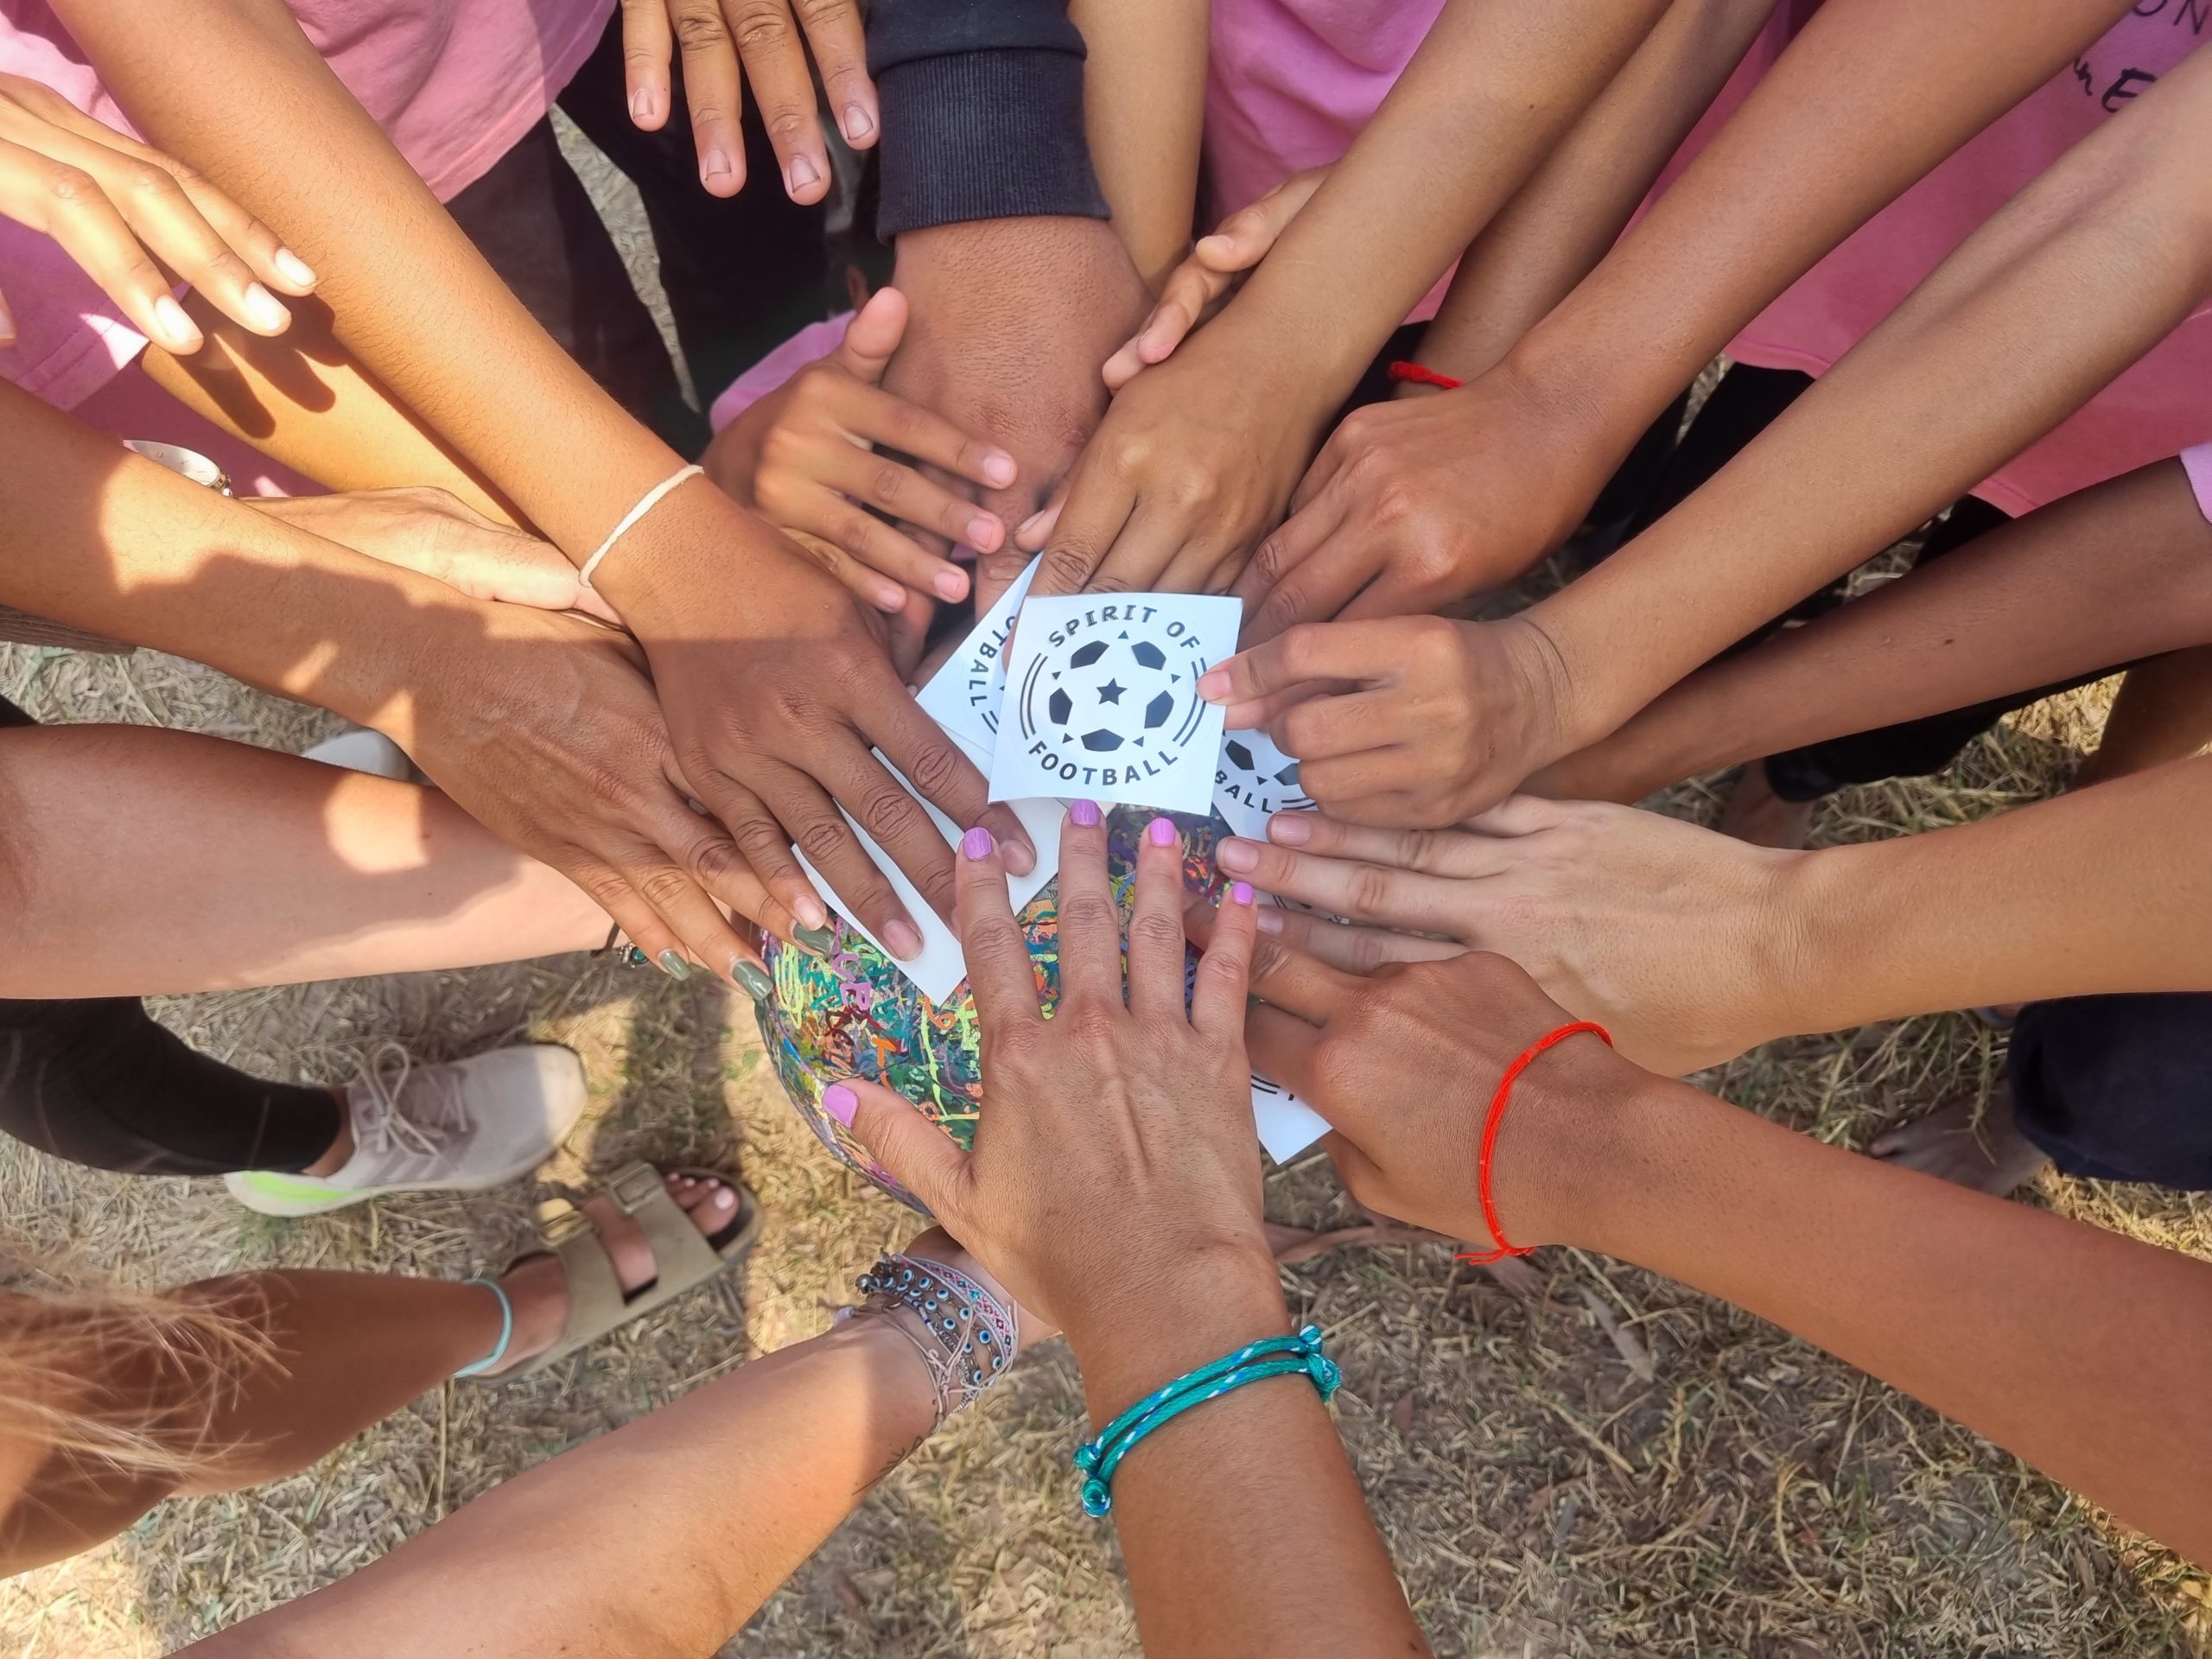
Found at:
<point>1097,1460</point>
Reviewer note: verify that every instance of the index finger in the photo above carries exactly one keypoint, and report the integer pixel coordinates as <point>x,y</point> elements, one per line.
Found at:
<point>1299,983</point>
<point>1097,509</point>
<point>1357,652</point>
<point>775,61</point>
<point>833,30</point>
<point>941,774</point>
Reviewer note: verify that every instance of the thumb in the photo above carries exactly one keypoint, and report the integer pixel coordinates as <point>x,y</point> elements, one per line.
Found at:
<point>872,336</point>
<point>913,1152</point>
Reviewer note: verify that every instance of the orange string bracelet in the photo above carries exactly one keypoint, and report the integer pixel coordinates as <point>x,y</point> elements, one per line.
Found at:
<point>1421,375</point>
<point>1497,1105</point>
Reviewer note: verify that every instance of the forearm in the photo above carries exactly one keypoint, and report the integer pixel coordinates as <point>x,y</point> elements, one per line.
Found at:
<point>414,302</point>
<point>1144,105</point>
<point>1244,1529</point>
<point>2101,890</point>
<point>663,1537</point>
<point>2082,1351</point>
<point>103,540</point>
<point>1868,97</point>
<point>140,863</point>
<point>1481,104</point>
<point>1549,235</point>
<point>1968,371</point>
<point>303,400</point>
<point>2106,576</point>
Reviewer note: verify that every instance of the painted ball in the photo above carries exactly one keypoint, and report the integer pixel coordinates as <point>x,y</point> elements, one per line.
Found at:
<point>852,1014</point>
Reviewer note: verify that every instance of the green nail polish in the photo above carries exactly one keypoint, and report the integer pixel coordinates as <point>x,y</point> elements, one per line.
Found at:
<point>750,979</point>
<point>819,940</point>
<point>672,964</point>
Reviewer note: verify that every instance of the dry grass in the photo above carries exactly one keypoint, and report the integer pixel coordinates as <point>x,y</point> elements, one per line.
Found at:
<point>1580,1459</point>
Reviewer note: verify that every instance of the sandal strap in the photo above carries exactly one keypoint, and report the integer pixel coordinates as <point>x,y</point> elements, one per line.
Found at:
<point>597,1303</point>
<point>682,1256</point>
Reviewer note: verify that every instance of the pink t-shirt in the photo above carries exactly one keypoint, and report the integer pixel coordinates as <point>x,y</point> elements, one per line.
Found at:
<point>454,83</point>
<point>2196,462</point>
<point>2155,408</point>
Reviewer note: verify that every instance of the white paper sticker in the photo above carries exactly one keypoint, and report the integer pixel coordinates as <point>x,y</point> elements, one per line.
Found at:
<point>938,972</point>
<point>1102,700</point>
<point>1286,1124</point>
<point>1254,781</point>
<point>963,696</point>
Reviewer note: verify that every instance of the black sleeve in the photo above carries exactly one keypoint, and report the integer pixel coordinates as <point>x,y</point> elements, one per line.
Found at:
<point>983,113</point>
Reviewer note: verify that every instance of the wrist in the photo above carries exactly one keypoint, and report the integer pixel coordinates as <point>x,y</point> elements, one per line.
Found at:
<point>1158,1326</point>
<point>898,1376</point>
<point>1552,1174</point>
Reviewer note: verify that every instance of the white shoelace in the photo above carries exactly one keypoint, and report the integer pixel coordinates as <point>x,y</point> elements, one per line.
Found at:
<point>381,1123</point>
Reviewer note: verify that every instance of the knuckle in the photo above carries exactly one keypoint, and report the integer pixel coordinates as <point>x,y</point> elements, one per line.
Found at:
<point>663,886</point>
<point>1269,956</point>
<point>72,187</point>
<point>1156,931</point>
<point>601,886</point>
<point>935,766</point>
<point>820,839</point>
<point>1284,601</point>
<point>786,124</point>
<point>700,30</point>
<point>1369,890</point>
<point>764,26</point>
<point>890,812</point>
<point>717,862</point>
<point>1272,557</point>
<point>1068,564</point>
<point>889,483</point>
<point>1091,913</point>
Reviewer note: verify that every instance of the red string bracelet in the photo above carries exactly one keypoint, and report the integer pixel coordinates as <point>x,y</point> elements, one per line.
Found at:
<point>1497,1104</point>
<point>1421,375</point>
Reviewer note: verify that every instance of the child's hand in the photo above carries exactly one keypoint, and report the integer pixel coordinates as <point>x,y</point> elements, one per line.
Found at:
<point>714,36</point>
<point>1219,264</point>
<point>1412,722</point>
<point>122,212</point>
<point>802,457</point>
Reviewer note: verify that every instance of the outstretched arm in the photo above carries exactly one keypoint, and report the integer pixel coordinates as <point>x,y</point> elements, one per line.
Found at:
<point>2082,1351</point>
<point>2108,575</point>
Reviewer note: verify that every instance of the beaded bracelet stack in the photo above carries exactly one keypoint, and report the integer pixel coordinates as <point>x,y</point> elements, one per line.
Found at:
<point>1097,1460</point>
<point>972,1337</point>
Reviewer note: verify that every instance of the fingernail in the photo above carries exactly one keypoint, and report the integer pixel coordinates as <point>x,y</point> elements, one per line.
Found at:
<point>641,104</point>
<point>983,534</point>
<point>841,1103</point>
<point>1241,893</point>
<point>1020,859</point>
<point>820,940</point>
<point>977,842</point>
<point>263,308</point>
<point>998,469</point>
<point>905,944</point>
<point>801,174</point>
<point>293,269</point>
<point>1160,832</point>
<point>672,964</point>
<point>858,123</point>
<point>1083,814</point>
<point>716,167</point>
<point>1215,243</point>
<point>750,979</point>
<point>891,598</point>
<point>950,583</point>
<point>1237,855</point>
<point>811,913</point>
<point>1213,685</point>
<point>1271,920</point>
<point>1290,829</point>
<point>1032,521</point>
<point>177,328</point>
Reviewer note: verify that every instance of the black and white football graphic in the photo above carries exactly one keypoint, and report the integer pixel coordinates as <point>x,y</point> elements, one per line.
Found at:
<point>1258,775</point>
<point>1112,697</point>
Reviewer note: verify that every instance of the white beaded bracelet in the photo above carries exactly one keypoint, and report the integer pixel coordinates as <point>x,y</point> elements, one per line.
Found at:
<point>651,500</point>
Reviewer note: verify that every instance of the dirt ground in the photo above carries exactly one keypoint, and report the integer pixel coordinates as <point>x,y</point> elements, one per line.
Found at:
<point>1566,1456</point>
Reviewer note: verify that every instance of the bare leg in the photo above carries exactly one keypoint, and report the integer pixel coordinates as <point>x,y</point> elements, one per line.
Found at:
<point>1980,1148</point>
<point>1756,813</point>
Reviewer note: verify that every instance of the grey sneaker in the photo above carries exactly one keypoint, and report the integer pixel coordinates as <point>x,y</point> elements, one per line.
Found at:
<point>463,1126</point>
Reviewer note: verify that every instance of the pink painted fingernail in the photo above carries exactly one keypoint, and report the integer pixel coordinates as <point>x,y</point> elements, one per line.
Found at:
<point>1160,832</point>
<point>1237,855</point>
<point>1213,685</point>
<point>977,842</point>
<point>1241,893</point>
<point>1290,829</point>
<point>1083,814</point>
<point>841,1103</point>
<point>1271,920</point>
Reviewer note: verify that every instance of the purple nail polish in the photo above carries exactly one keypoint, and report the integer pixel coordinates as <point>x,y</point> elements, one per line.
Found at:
<point>1241,893</point>
<point>1083,814</point>
<point>977,842</point>
<point>841,1103</point>
<point>1160,832</point>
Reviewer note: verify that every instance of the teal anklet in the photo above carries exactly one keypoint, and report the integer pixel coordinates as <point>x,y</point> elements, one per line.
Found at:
<point>1098,1459</point>
<point>506,1328</point>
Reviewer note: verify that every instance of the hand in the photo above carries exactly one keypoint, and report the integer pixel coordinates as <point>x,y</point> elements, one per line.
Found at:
<point>1218,264</point>
<point>122,212</point>
<point>1115,1176</point>
<point>1417,503</point>
<point>1193,463</point>
<point>804,459</point>
<point>545,729</point>
<point>716,36</point>
<point>1403,1063</point>
<point>1679,941</point>
<point>1420,721</point>
<point>425,529</point>
<point>776,688</point>
<point>1011,320</point>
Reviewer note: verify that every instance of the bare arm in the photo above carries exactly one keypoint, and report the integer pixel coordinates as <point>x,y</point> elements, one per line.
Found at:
<point>1144,89</point>
<point>140,863</point>
<point>2082,1351</point>
<point>2104,576</point>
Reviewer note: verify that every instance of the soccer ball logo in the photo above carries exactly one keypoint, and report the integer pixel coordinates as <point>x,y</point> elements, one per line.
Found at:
<point>1284,776</point>
<point>1119,693</point>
